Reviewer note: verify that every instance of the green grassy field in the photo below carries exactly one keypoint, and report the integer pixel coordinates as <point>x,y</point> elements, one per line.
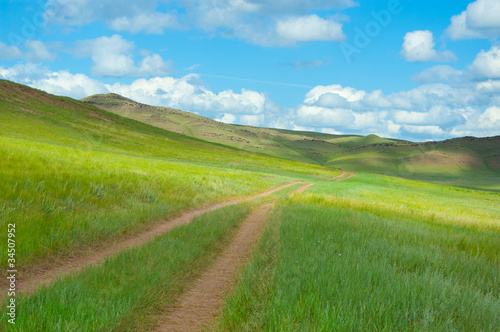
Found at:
<point>374,253</point>
<point>127,291</point>
<point>467,162</point>
<point>124,292</point>
<point>34,116</point>
<point>284,143</point>
<point>65,198</point>
<point>74,176</point>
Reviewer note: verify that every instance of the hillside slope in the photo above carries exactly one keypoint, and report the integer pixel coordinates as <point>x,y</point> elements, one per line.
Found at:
<point>33,115</point>
<point>467,161</point>
<point>74,176</point>
<point>300,146</point>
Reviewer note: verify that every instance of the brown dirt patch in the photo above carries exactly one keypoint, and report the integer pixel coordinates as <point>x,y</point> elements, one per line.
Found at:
<point>351,174</point>
<point>438,158</point>
<point>29,280</point>
<point>432,158</point>
<point>201,304</point>
<point>467,160</point>
<point>27,93</point>
<point>304,188</point>
<point>338,176</point>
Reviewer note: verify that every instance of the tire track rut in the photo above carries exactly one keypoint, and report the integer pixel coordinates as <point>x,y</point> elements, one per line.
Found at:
<point>201,304</point>
<point>34,279</point>
<point>347,177</point>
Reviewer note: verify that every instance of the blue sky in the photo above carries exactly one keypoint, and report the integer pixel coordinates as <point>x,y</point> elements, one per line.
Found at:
<point>418,70</point>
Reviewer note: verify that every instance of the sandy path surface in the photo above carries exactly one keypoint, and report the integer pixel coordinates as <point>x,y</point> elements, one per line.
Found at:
<point>347,177</point>
<point>202,303</point>
<point>303,188</point>
<point>28,283</point>
<point>338,176</point>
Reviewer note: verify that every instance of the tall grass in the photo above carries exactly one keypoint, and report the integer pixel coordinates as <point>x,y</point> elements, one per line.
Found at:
<point>330,265</point>
<point>73,175</point>
<point>400,198</point>
<point>66,122</point>
<point>124,292</point>
<point>61,198</point>
<point>246,306</point>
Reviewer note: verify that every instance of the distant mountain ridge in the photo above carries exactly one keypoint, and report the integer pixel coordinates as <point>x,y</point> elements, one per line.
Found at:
<point>300,146</point>
<point>32,117</point>
<point>115,123</point>
<point>476,159</point>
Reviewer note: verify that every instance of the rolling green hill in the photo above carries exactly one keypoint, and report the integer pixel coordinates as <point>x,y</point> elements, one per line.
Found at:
<point>73,175</point>
<point>468,161</point>
<point>33,115</point>
<point>300,146</point>
<point>371,252</point>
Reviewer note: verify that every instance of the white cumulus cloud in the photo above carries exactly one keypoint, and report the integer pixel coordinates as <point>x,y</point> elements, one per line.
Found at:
<point>323,116</point>
<point>112,57</point>
<point>226,118</point>
<point>419,46</point>
<point>253,120</point>
<point>308,28</point>
<point>262,22</point>
<point>189,93</point>
<point>440,73</point>
<point>434,131</point>
<point>317,94</point>
<point>487,63</point>
<point>490,119</point>
<point>37,52</point>
<point>481,19</point>
<point>9,52</point>
<point>31,51</point>
<point>60,83</point>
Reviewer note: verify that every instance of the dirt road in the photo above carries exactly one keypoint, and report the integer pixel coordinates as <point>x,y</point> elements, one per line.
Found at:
<point>43,275</point>
<point>338,176</point>
<point>202,303</point>
<point>347,177</point>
